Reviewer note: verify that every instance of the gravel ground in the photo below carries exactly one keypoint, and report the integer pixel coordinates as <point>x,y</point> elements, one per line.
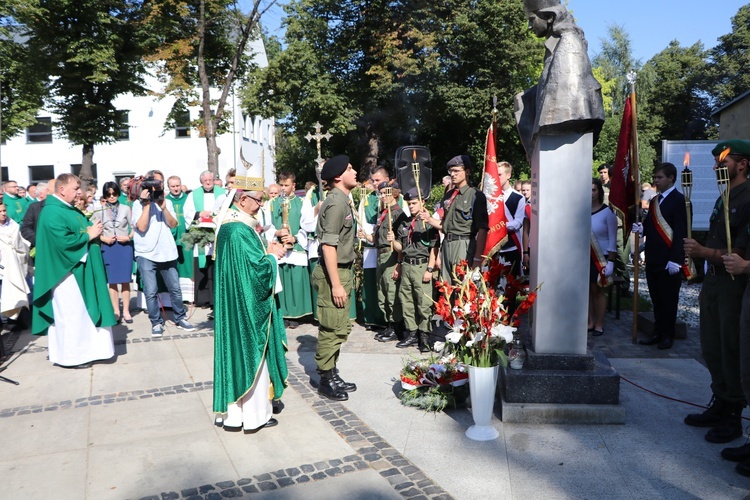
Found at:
<point>688,309</point>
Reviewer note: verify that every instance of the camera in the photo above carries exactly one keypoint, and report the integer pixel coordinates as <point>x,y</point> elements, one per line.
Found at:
<point>155,188</point>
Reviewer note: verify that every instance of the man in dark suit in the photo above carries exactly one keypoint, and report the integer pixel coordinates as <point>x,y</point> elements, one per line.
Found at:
<point>664,228</point>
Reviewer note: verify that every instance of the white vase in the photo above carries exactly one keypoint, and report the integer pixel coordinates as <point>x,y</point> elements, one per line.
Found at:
<point>482,384</point>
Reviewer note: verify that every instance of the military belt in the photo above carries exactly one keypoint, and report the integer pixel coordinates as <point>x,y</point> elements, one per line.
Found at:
<point>456,237</point>
<point>716,269</point>
<point>416,262</point>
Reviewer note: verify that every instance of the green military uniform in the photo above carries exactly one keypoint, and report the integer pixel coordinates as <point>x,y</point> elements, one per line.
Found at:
<point>418,241</point>
<point>294,299</point>
<point>387,260</point>
<point>335,228</point>
<point>465,213</point>
<point>16,206</point>
<point>721,299</point>
<point>184,257</point>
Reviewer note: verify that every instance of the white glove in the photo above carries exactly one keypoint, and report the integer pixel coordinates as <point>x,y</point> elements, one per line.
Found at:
<point>637,228</point>
<point>609,269</point>
<point>673,268</point>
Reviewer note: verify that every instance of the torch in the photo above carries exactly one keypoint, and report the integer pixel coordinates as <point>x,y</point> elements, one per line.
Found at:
<point>688,267</point>
<point>387,193</point>
<point>722,181</point>
<point>415,171</point>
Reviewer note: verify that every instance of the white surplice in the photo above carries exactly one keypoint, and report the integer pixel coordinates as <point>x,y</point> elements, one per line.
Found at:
<point>73,338</point>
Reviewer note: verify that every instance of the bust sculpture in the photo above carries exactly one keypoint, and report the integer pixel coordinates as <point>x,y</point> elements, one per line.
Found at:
<point>567,98</point>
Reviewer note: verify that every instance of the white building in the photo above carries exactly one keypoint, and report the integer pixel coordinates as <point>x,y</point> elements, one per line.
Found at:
<point>42,153</point>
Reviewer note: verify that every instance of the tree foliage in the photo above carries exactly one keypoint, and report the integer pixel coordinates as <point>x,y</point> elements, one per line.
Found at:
<point>382,74</point>
<point>91,52</point>
<point>728,75</point>
<point>21,84</point>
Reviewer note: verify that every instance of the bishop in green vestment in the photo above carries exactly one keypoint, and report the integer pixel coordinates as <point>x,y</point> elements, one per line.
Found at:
<point>71,297</point>
<point>249,340</point>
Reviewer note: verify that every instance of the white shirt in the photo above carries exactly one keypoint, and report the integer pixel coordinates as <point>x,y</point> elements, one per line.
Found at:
<point>156,243</point>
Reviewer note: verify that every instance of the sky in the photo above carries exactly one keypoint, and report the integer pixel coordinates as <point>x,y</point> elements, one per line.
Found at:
<point>651,24</point>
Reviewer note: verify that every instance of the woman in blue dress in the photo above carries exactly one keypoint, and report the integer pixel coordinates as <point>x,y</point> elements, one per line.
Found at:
<point>117,247</point>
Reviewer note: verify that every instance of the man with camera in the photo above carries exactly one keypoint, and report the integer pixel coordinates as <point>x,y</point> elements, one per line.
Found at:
<point>156,251</point>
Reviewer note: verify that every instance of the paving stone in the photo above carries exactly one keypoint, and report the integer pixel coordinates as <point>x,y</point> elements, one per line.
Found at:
<point>401,486</point>
<point>319,475</point>
<point>231,493</point>
<point>279,473</point>
<point>250,488</point>
<point>335,462</point>
<point>213,496</point>
<point>286,481</point>
<point>189,492</point>
<point>244,481</point>
<point>433,490</point>
<point>348,468</point>
<point>267,486</point>
<point>170,495</point>
<point>411,493</point>
<point>263,477</point>
<point>307,468</point>
<point>334,471</point>
<point>303,479</point>
<point>361,465</point>
<point>293,471</point>
<point>371,457</point>
<point>387,472</point>
<point>321,465</point>
<point>351,458</point>
<point>206,488</point>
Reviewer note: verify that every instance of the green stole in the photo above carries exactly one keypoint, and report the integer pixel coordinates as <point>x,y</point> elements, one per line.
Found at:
<point>123,198</point>
<point>198,202</point>
<point>295,212</point>
<point>184,260</point>
<point>249,327</point>
<point>62,240</point>
<point>16,206</point>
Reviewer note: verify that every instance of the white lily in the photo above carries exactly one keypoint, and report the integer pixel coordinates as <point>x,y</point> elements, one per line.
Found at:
<point>503,331</point>
<point>439,346</point>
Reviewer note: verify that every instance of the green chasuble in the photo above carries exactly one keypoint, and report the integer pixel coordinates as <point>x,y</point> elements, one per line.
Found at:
<point>16,206</point>
<point>184,257</point>
<point>248,326</point>
<point>61,242</point>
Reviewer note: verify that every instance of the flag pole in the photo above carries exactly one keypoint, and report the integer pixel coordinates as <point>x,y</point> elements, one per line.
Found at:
<point>631,76</point>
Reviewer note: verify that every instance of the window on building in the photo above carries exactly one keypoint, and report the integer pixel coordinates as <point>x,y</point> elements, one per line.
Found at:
<point>40,173</point>
<point>4,174</point>
<point>182,124</point>
<point>122,126</point>
<point>75,169</point>
<point>41,132</point>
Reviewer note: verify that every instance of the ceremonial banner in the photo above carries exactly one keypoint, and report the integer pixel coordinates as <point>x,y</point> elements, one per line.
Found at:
<point>622,177</point>
<point>493,191</point>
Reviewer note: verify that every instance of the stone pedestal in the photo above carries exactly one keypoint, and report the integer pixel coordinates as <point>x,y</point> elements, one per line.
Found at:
<point>560,242</point>
<point>562,388</point>
<point>562,382</point>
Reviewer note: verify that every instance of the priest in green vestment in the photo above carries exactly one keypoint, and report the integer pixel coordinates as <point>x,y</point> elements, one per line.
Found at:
<point>178,198</point>
<point>71,296</point>
<point>295,300</point>
<point>249,340</point>
<point>16,205</point>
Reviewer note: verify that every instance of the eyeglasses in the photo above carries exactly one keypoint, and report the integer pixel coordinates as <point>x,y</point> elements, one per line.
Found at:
<point>256,200</point>
<point>455,170</point>
<point>110,194</point>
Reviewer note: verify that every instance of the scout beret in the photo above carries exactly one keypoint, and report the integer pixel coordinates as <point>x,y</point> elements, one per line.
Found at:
<point>411,194</point>
<point>334,167</point>
<point>736,147</point>
<point>460,161</point>
<point>385,184</point>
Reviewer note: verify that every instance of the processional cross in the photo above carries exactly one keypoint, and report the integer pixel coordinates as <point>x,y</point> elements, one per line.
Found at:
<point>318,137</point>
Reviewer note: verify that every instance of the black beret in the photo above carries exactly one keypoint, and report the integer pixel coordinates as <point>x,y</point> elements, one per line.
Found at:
<point>385,184</point>
<point>736,147</point>
<point>411,194</point>
<point>460,161</point>
<point>334,167</point>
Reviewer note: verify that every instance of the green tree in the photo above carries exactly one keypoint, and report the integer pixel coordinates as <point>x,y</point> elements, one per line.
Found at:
<point>21,86</point>
<point>200,48</point>
<point>728,77</point>
<point>382,74</point>
<point>90,52</point>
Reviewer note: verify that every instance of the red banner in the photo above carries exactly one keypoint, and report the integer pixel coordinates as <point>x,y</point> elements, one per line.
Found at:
<point>622,181</point>
<point>493,191</point>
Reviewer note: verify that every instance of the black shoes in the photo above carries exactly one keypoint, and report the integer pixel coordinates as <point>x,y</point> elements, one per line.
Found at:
<point>423,341</point>
<point>665,344</point>
<point>709,418</point>
<point>341,384</point>
<point>730,426</point>
<point>652,341</point>
<point>386,335</point>
<point>410,340</point>
<point>328,388</point>
<point>738,454</point>
<point>290,324</point>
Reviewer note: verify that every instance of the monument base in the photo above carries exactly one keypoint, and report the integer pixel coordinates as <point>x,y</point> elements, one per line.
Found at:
<point>562,388</point>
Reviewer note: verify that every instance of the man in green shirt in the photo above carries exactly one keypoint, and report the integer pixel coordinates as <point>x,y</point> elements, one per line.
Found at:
<point>333,278</point>
<point>15,204</point>
<point>184,257</point>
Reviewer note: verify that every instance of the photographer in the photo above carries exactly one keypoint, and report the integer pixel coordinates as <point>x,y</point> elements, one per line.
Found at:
<point>155,250</point>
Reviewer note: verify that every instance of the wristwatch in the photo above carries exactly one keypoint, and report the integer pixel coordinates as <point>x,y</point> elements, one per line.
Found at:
<point>430,269</point>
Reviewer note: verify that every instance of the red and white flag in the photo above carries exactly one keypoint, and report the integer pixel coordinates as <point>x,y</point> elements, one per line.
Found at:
<point>493,191</point>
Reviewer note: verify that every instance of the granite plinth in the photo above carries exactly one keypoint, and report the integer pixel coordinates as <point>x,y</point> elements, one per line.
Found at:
<point>646,325</point>
<point>599,385</point>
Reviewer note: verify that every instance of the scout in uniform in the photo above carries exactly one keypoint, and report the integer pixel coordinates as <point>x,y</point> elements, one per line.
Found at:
<point>333,278</point>
<point>463,220</point>
<point>721,300</point>
<point>384,239</point>
<point>419,243</point>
